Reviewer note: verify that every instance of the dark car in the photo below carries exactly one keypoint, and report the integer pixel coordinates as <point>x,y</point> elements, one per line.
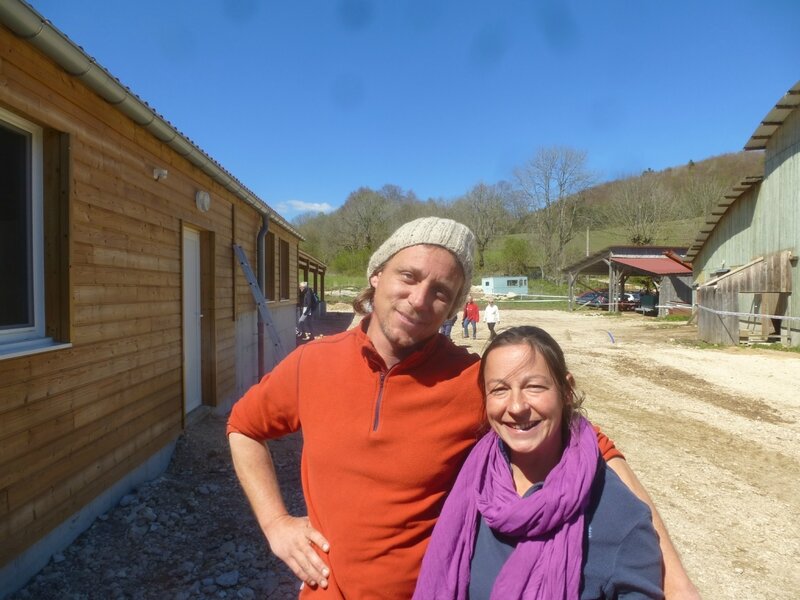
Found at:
<point>628,301</point>
<point>593,299</point>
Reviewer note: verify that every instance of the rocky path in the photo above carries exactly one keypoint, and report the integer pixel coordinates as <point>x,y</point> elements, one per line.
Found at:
<point>187,534</point>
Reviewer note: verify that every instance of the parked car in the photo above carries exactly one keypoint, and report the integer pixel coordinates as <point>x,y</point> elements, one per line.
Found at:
<point>593,299</point>
<point>628,301</point>
<point>648,304</point>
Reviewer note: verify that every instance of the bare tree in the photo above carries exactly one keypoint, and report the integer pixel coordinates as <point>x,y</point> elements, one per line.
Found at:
<point>553,182</point>
<point>484,211</point>
<point>700,192</point>
<point>641,205</point>
<point>361,221</point>
<point>516,203</point>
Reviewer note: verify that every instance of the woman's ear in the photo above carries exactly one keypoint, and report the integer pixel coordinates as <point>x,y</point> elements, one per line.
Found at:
<point>570,391</point>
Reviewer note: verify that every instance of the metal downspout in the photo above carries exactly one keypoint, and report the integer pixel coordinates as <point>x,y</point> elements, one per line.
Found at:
<point>262,283</point>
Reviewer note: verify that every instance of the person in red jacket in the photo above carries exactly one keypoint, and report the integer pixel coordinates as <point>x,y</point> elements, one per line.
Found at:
<point>389,411</point>
<point>471,317</point>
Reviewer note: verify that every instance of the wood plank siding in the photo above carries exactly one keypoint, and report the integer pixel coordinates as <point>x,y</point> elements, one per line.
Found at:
<point>765,283</point>
<point>763,222</point>
<point>74,421</point>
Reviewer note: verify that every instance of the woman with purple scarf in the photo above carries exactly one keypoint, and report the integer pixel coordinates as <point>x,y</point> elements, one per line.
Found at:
<point>535,513</point>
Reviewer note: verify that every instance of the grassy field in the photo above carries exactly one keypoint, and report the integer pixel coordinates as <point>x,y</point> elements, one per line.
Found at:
<point>334,281</point>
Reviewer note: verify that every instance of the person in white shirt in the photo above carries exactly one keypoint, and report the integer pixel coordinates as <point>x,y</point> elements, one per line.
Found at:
<point>491,316</point>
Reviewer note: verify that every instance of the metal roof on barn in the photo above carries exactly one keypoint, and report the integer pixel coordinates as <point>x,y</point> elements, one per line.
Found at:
<point>774,119</point>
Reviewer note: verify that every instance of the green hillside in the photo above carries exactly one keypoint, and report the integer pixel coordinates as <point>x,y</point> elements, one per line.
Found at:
<point>674,233</point>
<point>664,208</point>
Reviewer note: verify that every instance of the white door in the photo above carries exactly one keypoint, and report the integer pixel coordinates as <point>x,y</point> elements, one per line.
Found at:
<point>192,388</point>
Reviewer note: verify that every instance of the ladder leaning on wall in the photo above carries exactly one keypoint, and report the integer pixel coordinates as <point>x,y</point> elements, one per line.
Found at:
<point>261,302</point>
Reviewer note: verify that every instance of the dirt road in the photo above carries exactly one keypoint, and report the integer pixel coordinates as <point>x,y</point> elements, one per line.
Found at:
<point>714,435</point>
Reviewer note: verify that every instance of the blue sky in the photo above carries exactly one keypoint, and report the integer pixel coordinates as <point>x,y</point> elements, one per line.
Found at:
<point>305,101</point>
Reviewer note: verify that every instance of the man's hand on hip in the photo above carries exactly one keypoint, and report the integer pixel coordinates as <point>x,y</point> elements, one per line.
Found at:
<point>292,539</point>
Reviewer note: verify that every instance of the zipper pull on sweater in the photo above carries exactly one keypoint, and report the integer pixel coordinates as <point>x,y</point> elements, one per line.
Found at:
<point>377,418</point>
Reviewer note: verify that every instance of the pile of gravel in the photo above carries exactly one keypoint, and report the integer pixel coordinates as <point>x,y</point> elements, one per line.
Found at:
<point>187,534</point>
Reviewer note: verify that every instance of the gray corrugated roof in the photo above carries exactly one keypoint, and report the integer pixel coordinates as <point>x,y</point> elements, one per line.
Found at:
<point>774,119</point>
<point>25,22</point>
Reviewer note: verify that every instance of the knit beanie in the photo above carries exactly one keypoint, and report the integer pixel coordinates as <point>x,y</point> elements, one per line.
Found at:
<point>448,234</point>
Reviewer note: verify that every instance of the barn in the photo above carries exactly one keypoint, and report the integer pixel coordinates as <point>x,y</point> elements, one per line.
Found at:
<point>124,312</point>
<point>744,258</point>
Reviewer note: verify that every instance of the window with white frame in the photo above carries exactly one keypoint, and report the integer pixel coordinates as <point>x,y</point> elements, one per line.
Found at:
<point>22,306</point>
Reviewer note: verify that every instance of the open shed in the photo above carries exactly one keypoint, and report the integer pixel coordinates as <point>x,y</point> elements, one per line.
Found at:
<point>618,263</point>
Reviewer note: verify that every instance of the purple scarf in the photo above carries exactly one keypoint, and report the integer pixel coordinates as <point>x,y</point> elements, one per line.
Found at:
<point>546,562</point>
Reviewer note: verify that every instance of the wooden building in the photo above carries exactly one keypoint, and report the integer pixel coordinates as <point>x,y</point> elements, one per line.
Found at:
<point>745,257</point>
<point>123,311</point>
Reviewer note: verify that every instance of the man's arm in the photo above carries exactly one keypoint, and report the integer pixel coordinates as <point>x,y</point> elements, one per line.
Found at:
<point>677,585</point>
<point>290,538</point>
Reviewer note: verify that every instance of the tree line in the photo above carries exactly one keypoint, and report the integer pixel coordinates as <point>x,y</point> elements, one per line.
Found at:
<point>549,200</point>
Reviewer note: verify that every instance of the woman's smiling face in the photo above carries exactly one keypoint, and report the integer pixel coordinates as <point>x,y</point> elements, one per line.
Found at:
<point>524,406</point>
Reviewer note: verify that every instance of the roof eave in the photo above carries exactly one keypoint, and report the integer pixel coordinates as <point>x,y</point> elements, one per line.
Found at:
<point>774,119</point>
<point>25,22</point>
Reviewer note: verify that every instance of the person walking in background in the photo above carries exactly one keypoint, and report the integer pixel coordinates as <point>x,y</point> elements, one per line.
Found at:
<point>491,315</point>
<point>447,326</point>
<point>307,306</point>
<point>471,317</point>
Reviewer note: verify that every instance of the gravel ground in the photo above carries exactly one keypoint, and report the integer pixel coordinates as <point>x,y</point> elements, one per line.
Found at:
<point>187,534</point>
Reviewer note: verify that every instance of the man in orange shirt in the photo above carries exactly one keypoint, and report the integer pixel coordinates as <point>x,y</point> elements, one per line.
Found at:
<point>388,410</point>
